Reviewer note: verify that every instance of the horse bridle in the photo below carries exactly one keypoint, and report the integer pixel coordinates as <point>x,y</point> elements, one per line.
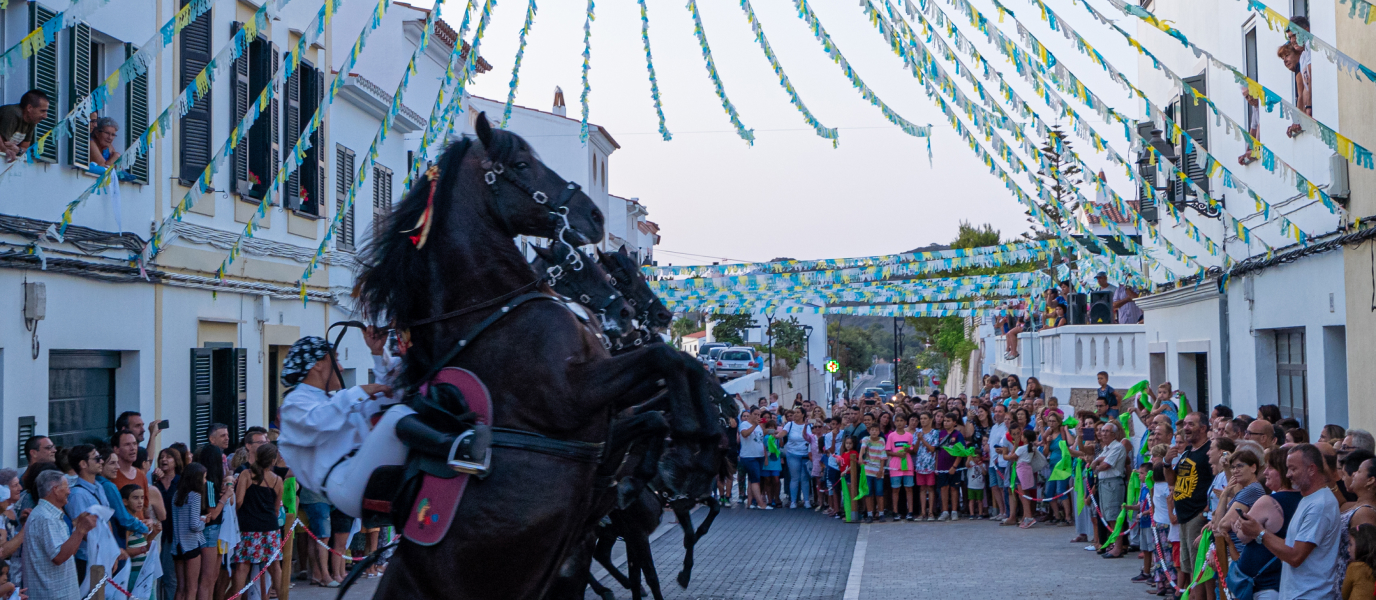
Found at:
<point>559,208</point>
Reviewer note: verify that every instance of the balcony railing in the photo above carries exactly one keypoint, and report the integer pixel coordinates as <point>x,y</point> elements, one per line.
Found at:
<point>1071,357</point>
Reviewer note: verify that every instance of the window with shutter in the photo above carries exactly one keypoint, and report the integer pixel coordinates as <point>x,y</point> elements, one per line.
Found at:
<point>274,130</point>
<point>238,107</point>
<point>78,87</point>
<point>240,392</point>
<point>291,132</point>
<point>260,147</point>
<point>1194,119</point>
<point>202,394</point>
<point>1147,171</point>
<point>316,155</point>
<point>136,116</point>
<point>196,51</point>
<point>229,392</point>
<point>343,182</point>
<point>382,196</point>
<point>43,76</point>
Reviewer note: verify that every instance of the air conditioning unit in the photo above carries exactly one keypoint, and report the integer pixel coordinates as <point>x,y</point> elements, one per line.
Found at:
<point>1338,187</point>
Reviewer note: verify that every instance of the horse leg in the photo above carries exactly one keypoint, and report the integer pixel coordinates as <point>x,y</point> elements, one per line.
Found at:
<point>606,539</point>
<point>597,588</point>
<point>638,553</point>
<point>690,539</point>
<point>713,508</point>
<point>611,380</point>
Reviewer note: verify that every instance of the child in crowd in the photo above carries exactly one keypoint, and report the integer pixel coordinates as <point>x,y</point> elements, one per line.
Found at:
<point>773,465</point>
<point>849,463</point>
<point>136,544</point>
<point>1165,528</point>
<point>873,453</point>
<point>926,438</point>
<point>947,467</point>
<point>975,473</point>
<point>1357,581</point>
<point>1027,480</point>
<point>900,451</point>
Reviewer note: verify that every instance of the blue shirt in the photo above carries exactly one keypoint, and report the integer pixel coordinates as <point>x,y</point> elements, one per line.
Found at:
<point>84,495</point>
<point>122,516</point>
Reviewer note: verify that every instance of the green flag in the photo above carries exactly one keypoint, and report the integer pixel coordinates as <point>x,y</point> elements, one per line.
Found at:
<point>1182,405</point>
<point>1125,420</point>
<point>1140,392</point>
<point>1134,484</point>
<point>1079,485</point>
<point>959,449</point>
<point>1071,422</point>
<point>1062,469</point>
<point>1202,571</point>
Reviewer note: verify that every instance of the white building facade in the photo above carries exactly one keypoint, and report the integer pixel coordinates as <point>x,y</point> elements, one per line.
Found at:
<point>101,335</point>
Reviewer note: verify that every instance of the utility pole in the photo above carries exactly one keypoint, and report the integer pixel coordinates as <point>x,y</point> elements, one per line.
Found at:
<point>770,332</point>
<point>807,358</point>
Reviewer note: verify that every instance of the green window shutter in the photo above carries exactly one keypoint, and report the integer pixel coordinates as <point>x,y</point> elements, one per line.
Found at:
<point>78,87</point>
<point>43,76</point>
<point>382,197</point>
<point>1194,119</point>
<point>202,394</point>
<point>238,107</point>
<point>291,133</point>
<point>195,125</point>
<point>343,182</point>
<point>274,130</point>
<point>136,117</point>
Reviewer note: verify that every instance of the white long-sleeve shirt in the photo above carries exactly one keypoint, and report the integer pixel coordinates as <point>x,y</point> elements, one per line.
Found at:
<point>319,429</point>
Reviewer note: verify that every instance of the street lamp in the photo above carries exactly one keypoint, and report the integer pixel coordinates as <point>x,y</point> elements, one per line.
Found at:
<point>1167,151</point>
<point>770,332</point>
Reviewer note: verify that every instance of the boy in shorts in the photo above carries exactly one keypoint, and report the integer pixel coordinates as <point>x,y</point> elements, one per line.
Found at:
<point>873,455</point>
<point>975,472</point>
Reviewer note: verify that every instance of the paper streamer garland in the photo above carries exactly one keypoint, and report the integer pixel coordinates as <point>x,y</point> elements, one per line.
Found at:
<point>39,39</point>
<point>157,128</point>
<point>805,13</point>
<point>483,20</point>
<point>824,132</point>
<point>587,64</point>
<point>828,282</point>
<point>1344,62</point>
<point>293,159</point>
<point>746,134</point>
<point>784,266</point>
<point>1335,141</point>
<point>516,69</point>
<point>860,274</point>
<point>887,310</point>
<point>441,111</point>
<point>134,66</point>
<point>650,66</point>
<point>166,232</point>
<point>1023,108</point>
<point>1128,272</point>
<point>1361,11</point>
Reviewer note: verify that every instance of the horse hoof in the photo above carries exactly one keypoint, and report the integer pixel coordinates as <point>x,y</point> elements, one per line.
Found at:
<point>608,595</point>
<point>683,577</point>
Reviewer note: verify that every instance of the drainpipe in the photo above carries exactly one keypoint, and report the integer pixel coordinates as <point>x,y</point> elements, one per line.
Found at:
<point>1225,362</point>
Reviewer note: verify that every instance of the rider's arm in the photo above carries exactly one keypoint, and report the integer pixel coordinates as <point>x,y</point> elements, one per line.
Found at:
<point>309,416</point>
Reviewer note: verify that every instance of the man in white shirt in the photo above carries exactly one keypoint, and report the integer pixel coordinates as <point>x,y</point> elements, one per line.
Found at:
<point>752,457</point>
<point>1109,464</point>
<point>1309,553</point>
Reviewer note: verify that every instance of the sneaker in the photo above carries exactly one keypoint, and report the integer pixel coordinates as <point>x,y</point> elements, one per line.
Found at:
<point>881,514</point>
<point>944,516</point>
<point>807,504</point>
<point>1091,548</point>
<point>1141,577</point>
<point>768,507</point>
<point>836,516</point>
<point>866,519</point>
<point>896,518</point>
<point>792,505</point>
<point>930,518</point>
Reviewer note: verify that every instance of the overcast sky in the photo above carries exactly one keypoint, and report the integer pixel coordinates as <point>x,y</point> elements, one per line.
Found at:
<point>792,194</point>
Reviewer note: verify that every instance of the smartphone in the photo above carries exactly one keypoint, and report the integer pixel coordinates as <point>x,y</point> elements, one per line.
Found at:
<point>1088,435</point>
<point>163,425</point>
<point>1242,514</point>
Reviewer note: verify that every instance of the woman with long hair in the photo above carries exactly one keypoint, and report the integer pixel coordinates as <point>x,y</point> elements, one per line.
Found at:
<point>258,497</point>
<point>1274,512</point>
<point>925,439</point>
<point>166,479</point>
<point>885,423</point>
<point>215,492</point>
<point>188,530</point>
<point>1361,511</point>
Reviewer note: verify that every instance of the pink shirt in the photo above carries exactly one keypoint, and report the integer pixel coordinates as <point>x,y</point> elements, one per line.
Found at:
<point>896,455</point>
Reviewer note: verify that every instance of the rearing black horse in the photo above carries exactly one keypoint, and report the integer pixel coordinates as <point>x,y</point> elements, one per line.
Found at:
<point>547,372</point>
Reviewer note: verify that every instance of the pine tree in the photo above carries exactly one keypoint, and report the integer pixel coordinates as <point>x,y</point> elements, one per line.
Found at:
<point>1060,176</point>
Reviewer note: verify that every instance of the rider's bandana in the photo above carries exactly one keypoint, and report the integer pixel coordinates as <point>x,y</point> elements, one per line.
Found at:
<point>302,357</point>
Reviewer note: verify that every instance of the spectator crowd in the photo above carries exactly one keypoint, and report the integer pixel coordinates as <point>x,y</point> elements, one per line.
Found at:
<point>1223,506</point>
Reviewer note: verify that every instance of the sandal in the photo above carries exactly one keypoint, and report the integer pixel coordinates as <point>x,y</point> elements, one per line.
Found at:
<point>1027,523</point>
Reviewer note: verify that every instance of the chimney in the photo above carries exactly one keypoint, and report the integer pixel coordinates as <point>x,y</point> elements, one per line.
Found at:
<point>559,108</point>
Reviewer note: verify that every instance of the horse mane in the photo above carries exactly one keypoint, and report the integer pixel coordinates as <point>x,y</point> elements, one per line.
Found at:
<point>392,265</point>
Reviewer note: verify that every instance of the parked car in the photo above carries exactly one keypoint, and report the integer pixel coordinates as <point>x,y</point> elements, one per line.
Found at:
<point>712,355</point>
<point>888,388</point>
<point>734,362</point>
<point>705,349</point>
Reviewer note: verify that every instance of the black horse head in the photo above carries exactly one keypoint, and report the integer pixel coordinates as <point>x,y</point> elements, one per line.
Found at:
<point>459,219</point>
<point>650,311</point>
<point>573,274</point>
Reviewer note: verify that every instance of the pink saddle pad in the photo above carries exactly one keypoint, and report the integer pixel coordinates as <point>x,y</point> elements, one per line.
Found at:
<point>438,500</point>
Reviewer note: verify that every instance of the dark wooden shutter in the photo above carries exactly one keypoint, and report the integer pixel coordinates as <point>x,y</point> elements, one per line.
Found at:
<point>382,196</point>
<point>196,52</point>
<point>317,156</point>
<point>43,76</point>
<point>78,87</point>
<point>238,107</point>
<point>262,65</point>
<point>240,392</point>
<point>1194,119</point>
<point>27,427</point>
<point>343,182</point>
<point>136,117</point>
<point>274,130</point>
<point>202,394</point>
<point>1146,202</point>
<point>291,133</point>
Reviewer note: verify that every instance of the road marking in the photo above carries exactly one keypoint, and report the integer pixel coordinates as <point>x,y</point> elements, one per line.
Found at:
<point>857,564</point>
<point>599,573</point>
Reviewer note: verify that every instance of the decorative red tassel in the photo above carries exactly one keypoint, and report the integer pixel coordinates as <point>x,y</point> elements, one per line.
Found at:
<point>427,217</point>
